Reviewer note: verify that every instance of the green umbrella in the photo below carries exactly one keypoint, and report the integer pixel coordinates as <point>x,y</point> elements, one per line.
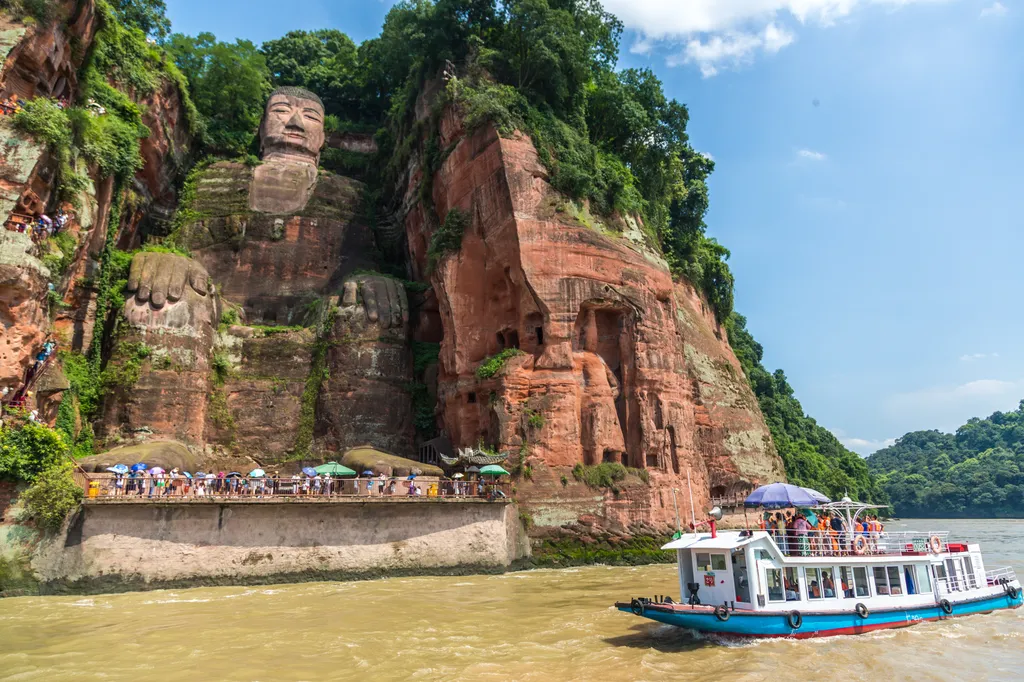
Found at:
<point>493,470</point>
<point>334,469</point>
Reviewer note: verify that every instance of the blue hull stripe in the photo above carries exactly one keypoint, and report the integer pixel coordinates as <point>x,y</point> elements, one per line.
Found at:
<point>821,624</point>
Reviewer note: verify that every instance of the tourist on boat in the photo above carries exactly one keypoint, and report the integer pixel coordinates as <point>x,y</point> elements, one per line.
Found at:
<point>827,585</point>
<point>801,528</point>
<point>791,590</point>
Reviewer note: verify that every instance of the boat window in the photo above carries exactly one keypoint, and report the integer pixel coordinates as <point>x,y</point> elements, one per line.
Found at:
<point>910,578</point>
<point>881,580</point>
<point>776,592</point>
<point>764,555</point>
<point>952,578</point>
<point>855,581</point>
<point>969,573</point>
<point>792,583</point>
<point>924,579</point>
<point>703,561</point>
<point>717,562</point>
<point>894,580</point>
<point>828,586</point>
<point>739,572</point>
<point>813,579</point>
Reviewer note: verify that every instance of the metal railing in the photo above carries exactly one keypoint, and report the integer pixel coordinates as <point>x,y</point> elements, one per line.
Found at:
<point>840,543</point>
<point>1000,576</point>
<point>167,488</point>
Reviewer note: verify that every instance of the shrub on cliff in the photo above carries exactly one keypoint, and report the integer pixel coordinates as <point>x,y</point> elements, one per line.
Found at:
<point>27,449</point>
<point>52,497</point>
<point>492,365</point>
<point>448,237</point>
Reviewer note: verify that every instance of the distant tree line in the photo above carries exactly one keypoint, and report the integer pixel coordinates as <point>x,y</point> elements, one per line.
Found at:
<point>978,472</point>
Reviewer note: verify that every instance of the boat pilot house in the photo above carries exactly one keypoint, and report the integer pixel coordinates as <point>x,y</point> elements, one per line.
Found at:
<point>761,583</point>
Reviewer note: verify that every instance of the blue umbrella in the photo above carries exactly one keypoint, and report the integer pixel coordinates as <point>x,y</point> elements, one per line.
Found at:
<point>139,467</point>
<point>411,476</point>
<point>816,495</point>
<point>119,469</point>
<point>780,496</point>
<point>188,475</point>
<point>309,471</point>
<point>235,473</point>
<point>257,473</point>
<point>367,473</point>
<point>201,475</point>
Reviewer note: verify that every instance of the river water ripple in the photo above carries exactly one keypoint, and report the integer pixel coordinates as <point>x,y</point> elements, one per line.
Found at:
<point>536,625</point>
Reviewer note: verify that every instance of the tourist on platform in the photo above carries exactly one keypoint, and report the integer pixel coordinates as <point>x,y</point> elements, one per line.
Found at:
<point>383,482</point>
<point>391,487</point>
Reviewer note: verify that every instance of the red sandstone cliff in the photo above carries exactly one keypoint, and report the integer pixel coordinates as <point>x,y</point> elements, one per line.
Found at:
<point>620,364</point>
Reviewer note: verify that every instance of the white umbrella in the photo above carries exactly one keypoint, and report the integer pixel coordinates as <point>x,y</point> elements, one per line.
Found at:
<point>458,476</point>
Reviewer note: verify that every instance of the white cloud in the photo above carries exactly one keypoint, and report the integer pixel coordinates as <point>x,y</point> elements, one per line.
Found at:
<point>865,447</point>
<point>862,446</point>
<point>730,33</point>
<point>948,407</point>
<point>811,155</point>
<point>731,49</point>
<point>996,9</point>
<point>974,357</point>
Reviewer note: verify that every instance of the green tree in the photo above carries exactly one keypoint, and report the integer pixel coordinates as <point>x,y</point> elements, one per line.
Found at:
<point>976,472</point>
<point>229,84</point>
<point>325,62</point>
<point>149,16</point>
<point>52,497</point>
<point>27,449</point>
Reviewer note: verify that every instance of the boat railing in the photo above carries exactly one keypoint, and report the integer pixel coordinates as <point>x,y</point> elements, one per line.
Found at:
<point>839,543</point>
<point>1000,576</point>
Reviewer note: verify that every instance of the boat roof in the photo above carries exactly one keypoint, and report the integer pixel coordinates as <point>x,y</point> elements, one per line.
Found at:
<point>726,540</point>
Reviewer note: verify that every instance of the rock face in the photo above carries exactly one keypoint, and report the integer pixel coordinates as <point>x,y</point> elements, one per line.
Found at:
<point>619,363</point>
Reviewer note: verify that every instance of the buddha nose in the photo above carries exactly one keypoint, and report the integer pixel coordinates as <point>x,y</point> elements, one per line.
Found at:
<point>296,121</point>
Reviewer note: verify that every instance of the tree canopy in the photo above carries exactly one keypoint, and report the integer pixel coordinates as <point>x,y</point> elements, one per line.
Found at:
<point>149,16</point>
<point>976,472</point>
<point>229,84</point>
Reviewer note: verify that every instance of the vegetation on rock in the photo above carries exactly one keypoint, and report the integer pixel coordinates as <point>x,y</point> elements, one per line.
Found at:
<point>490,367</point>
<point>813,457</point>
<point>52,497</point>
<point>978,472</point>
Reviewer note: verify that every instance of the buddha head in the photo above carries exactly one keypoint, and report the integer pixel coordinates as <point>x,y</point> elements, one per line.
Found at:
<point>293,126</point>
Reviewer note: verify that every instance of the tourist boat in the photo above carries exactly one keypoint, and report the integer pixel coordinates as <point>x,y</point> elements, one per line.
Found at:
<point>744,584</point>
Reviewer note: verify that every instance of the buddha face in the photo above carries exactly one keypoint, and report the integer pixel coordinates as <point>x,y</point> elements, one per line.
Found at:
<point>293,126</point>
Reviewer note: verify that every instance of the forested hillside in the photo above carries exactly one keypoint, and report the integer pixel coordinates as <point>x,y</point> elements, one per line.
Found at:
<point>610,138</point>
<point>978,472</point>
<point>812,455</point>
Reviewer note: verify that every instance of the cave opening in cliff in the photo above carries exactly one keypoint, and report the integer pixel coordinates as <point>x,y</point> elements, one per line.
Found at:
<point>673,449</point>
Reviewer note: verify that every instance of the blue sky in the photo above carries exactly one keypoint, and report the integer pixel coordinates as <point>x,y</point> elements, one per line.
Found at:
<point>869,182</point>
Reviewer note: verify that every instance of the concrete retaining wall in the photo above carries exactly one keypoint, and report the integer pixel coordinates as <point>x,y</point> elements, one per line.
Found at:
<point>225,542</point>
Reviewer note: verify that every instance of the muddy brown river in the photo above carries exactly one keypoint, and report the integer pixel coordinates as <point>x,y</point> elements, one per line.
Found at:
<point>536,625</point>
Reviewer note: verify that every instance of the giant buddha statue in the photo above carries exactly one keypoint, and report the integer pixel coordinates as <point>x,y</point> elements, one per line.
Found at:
<point>291,135</point>
<point>268,245</point>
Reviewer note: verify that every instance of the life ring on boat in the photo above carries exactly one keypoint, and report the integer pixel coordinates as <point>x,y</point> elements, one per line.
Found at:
<point>1011,591</point>
<point>862,610</point>
<point>794,619</point>
<point>935,544</point>
<point>637,607</point>
<point>860,545</point>
<point>946,607</point>
<point>722,612</point>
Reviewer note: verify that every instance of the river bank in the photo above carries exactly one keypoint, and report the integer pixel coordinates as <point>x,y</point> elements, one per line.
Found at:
<point>108,548</point>
<point>521,626</point>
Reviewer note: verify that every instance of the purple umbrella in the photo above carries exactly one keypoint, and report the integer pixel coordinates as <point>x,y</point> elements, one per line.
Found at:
<point>780,496</point>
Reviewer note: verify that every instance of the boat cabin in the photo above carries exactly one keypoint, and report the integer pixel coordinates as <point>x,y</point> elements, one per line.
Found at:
<point>748,570</point>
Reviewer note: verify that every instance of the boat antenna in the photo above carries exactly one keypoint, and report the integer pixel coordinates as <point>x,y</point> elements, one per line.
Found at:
<point>679,527</point>
<point>689,488</point>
